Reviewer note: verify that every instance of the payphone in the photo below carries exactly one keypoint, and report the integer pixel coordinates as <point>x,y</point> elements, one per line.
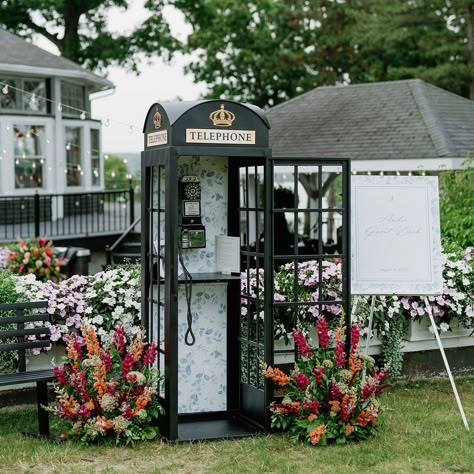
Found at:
<point>192,232</point>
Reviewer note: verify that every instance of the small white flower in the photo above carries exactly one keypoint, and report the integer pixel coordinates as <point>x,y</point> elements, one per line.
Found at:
<point>444,327</point>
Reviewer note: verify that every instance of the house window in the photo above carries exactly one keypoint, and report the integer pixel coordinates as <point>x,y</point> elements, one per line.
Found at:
<point>24,95</point>
<point>72,96</point>
<point>36,88</point>
<point>74,172</point>
<point>95,157</point>
<point>29,156</point>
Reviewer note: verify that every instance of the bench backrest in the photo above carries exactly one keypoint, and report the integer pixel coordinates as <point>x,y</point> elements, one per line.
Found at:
<point>21,333</point>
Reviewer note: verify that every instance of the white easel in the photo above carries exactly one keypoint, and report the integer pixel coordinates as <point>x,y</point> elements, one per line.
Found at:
<point>396,245</point>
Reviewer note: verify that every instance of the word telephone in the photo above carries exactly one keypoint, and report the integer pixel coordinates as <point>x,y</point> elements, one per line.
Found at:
<point>192,232</point>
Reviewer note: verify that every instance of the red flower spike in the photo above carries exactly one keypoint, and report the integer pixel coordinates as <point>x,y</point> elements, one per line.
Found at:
<point>323,335</point>
<point>355,336</point>
<point>301,344</point>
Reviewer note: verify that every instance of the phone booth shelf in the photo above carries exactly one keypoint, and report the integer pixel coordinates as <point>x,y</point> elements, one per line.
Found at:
<point>208,171</point>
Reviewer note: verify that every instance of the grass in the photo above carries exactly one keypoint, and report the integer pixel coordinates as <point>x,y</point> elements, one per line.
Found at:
<point>421,431</point>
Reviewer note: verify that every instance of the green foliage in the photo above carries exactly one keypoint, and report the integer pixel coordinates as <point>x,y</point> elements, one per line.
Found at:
<point>268,51</point>
<point>79,29</point>
<point>117,174</point>
<point>457,205</point>
<point>7,295</point>
<point>7,288</point>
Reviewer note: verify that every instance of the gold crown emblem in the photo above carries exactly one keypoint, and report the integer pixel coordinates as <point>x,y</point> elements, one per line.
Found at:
<point>157,119</point>
<point>222,117</point>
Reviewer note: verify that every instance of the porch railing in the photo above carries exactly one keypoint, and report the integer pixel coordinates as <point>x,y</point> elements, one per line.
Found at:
<point>66,215</point>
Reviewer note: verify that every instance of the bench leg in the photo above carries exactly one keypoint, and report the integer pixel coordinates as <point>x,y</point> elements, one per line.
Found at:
<point>43,416</point>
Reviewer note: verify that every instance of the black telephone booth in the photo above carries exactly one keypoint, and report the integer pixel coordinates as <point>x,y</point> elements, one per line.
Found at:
<point>196,155</point>
<point>211,239</point>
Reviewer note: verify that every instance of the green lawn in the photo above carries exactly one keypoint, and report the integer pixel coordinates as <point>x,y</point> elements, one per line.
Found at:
<point>421,432</point>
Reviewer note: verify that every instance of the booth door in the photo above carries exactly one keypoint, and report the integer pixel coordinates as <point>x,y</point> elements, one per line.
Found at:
<point>251,334</point>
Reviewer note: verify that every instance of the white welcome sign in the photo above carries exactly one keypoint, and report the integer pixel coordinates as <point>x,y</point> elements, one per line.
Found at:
<point>396,245</point>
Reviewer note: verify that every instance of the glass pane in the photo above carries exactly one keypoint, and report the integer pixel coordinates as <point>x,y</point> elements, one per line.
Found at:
<point>74,170</point>
<point>10,100</point>
<point>31,102</point>
<point>72,96</point>
<point>29,156</point>
<point>95,158</point>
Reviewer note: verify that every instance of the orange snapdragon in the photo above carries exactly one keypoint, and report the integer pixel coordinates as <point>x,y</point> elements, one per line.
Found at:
<point>276,375</point>
<point>315,435</point>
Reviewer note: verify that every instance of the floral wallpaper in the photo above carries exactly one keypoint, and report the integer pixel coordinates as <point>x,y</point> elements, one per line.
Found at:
<point>202,372</point>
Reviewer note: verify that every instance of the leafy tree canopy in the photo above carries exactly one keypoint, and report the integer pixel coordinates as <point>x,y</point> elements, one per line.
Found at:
<point>80,31</point>
<point>267,51</point>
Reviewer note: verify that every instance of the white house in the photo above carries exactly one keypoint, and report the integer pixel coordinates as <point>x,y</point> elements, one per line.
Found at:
<point>48,141</point>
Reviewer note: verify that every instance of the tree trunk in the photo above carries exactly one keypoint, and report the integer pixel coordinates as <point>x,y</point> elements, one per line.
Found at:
<point>71,46</point>
<point>470,43</point>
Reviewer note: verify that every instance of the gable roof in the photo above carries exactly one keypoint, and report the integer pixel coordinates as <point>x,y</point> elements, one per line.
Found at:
<point>18,56</point>
<point>408,119</point>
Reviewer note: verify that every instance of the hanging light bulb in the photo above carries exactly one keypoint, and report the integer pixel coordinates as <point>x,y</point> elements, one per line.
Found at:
<point>423,173</point>
<point>369,173</point>
<point>107,122</point>
<point>112,174</point>
<point>42,161</point>
<point>83,116</point>
<point>410,173</point>
<point>33,99</point>
<point>398,173</point>
<point>381,173</point>
<point>354,172</point>
<point>5,89</point>
<point>59,107</point>
<point>68,146</point>
<point>8,127</point>
<point>106,157</point>
<point>17,162</point>
<point>65,170</point>
<point>130,129</point>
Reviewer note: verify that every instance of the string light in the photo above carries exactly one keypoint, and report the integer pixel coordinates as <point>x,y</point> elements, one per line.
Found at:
<point>59,106</point>
<point>381,173</point>
<point>398,173</point>
<point>33,99</point>
<point>423,173</point>
<point>410,173</point>
<point>354,172</point>
<point>68,146</point>
<point>369,173</point>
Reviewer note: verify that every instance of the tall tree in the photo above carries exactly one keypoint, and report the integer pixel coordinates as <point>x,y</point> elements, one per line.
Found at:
<point>267,51</point>
<point>80,31</point>
<point>426,39</point>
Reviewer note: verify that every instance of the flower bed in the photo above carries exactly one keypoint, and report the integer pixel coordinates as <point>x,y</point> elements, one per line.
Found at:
<point>108,390</point>
<point>327,397</point>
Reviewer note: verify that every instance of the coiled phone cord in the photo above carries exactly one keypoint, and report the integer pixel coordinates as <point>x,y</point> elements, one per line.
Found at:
<point>188,288</point>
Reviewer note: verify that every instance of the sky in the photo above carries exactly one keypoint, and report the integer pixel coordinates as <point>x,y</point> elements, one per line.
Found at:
<point>133,94</point>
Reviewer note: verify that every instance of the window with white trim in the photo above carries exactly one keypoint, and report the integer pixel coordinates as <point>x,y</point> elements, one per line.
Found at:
<point>73,144</point>
<point>29,146</point>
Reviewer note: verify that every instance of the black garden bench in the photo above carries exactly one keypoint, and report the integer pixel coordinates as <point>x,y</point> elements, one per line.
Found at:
<point>41,377</point>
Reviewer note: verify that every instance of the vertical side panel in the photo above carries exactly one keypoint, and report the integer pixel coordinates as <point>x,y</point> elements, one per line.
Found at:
<point>268,282</point>
<point>171,293</point>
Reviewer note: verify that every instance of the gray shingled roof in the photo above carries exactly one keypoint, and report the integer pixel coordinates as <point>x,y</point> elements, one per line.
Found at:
<point>408,119</point>
<point>15,51</point>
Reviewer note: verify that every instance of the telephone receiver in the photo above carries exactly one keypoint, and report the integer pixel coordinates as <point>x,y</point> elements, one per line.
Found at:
<point>192,232</point>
